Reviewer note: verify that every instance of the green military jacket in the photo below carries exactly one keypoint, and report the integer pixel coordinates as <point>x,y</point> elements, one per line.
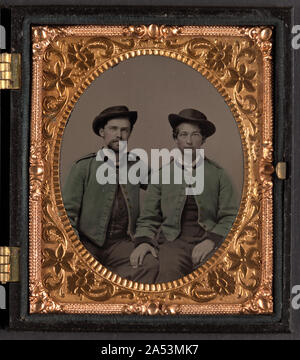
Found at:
<point>89,204</point>
<point>163,205</point>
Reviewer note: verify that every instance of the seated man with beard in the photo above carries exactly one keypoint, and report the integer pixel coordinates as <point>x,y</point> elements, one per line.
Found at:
<point>104,215</point>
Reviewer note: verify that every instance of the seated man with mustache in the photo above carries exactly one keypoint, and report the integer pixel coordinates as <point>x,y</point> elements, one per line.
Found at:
<point>185,230</point>
<point>104,215</point>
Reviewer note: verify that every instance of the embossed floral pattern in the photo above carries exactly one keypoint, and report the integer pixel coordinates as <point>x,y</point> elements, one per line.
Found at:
<point>221,282</point>
<point>241,78</point>
<point>81,282</point>
<point>244,261</point>
<point>59,78</point>
<point>80,56</point>
<point>58,259</point>
<point>219,57</point>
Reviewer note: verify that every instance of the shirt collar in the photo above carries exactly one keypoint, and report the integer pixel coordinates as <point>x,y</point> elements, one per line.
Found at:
<point>105,154</point>
<point>195,164</point>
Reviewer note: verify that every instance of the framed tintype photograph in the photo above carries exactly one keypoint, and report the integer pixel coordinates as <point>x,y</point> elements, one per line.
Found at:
<point>153,185</point>
<point>93,223</point>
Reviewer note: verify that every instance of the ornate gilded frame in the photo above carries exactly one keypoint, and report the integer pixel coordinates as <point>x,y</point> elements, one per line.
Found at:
<point>63,276</point>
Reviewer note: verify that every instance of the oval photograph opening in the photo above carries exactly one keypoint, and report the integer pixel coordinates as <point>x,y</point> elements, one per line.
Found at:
<point>151,169</point>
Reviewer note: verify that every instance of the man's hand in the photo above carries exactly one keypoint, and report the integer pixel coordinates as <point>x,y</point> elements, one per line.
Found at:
<point>201,250</point>
<point>138,254</point>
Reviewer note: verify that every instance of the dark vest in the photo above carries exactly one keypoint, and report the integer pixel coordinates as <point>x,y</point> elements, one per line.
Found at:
<point>191,231</point>
<point>118,223</point>
<point>190,227</point>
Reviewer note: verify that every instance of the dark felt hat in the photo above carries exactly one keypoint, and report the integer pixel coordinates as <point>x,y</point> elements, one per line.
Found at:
<point>111,113</point>
<point>193,116</point>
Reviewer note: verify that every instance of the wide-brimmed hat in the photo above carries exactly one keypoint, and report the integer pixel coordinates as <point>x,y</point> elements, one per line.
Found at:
<point>111,113</point>
<point>193,116</point>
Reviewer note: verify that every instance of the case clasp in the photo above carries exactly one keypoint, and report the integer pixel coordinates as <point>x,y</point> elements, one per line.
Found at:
<point>281,170</point>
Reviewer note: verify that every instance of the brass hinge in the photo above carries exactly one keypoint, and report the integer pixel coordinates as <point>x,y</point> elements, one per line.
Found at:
<point>10,71</point>
<point>9,264</point>
<point>281,170</point>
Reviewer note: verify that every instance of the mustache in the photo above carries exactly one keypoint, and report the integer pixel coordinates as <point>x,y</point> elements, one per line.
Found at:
<point>115,140</point>
<point>114,144</point>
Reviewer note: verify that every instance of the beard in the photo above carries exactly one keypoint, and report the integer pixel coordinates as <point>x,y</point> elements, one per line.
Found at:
<point>114,145</point>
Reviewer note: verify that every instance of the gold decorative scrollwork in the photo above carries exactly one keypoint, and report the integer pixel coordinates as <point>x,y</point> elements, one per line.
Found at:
<point>261,302</point>
<point>151,308</point>
<point>238,278</point>
<point>40,301</point>
<point>262,37</point>
<point>36,172</point>
<point>42,37</point>
<point>152,32</point>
